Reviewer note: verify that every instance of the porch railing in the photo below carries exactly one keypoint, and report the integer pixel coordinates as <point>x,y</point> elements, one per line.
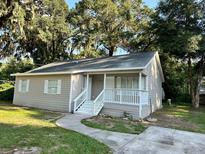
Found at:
<point>202,89</point>
<point>144,97</point>
<point>78,101</point>
<point>98,103</point>
<point>126,96</point>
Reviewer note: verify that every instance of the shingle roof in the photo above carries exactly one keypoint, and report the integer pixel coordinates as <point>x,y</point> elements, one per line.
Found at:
<point>137,60</point>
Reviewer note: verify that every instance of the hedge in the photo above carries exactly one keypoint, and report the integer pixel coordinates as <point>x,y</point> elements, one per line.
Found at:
<point>6,91</point>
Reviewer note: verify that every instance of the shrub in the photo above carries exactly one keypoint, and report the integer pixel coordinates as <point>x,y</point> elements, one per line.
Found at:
<point>6,91</point>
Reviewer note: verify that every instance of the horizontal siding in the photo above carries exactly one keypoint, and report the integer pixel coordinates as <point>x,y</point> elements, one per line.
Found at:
<point>117,110</point>
<point>77,87</point>
<point>154,85</point>
<point>146,111</point>
<point>35,97</point>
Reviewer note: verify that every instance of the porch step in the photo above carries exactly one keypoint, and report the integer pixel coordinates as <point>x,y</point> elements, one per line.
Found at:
<point>86,108</point>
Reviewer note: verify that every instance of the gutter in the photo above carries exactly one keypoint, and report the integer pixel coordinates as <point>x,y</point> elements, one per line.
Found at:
<point>80,71</point>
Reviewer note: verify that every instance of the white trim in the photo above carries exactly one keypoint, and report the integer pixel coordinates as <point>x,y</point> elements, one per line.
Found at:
<point>87,85</point>
<point>140,88</point>
<point>19,85</point>
<point>160,67</point>
<point>105,81</point>
<point>147,82</point>
<point>82,71</point>
<point>27,86</point>
<point>45,91</point>
<point>59,87</point>
<point>156,57</point>
<point>71,89</point>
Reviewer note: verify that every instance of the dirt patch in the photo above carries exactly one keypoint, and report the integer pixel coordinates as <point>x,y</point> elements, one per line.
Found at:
<point>26,150</point>
<point>171,121</point>
<point>115,124</point>
<point>55,148</point>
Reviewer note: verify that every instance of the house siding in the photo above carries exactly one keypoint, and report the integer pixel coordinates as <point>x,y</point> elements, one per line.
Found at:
<point>97,85</point>
<point>155,96</point>
<point>36,97</point>
<point>78,84</point>
<point>154,85</point>
<point>118,110</point>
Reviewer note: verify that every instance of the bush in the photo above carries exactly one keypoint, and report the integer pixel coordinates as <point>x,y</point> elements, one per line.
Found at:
<point>13,66</point>
<point>7,95</point>
<point>183,98</point>
<point>6,91</point>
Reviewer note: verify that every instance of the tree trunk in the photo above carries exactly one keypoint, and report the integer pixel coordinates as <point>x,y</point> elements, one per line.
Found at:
<point>111,51</point>
<point>195,98</point>
<point>195,81</point>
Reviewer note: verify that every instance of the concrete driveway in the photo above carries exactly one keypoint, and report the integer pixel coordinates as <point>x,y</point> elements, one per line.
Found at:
<point>154,140</point>
<point>158,140</point>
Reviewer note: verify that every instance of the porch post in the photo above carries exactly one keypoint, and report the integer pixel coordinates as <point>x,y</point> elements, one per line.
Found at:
<point>105,81</point>
<point>87,85</point>
<point>140,88</point>
<point>104,87</point>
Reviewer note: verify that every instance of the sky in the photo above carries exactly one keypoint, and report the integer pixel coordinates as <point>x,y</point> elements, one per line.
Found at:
<point>150,3</point>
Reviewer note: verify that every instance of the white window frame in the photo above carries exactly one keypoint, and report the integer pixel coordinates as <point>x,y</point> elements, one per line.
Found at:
<point>23,89</point>
<point>58,86</point>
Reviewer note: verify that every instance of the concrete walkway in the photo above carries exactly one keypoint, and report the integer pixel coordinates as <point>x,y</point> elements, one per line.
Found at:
<point>154,140</point>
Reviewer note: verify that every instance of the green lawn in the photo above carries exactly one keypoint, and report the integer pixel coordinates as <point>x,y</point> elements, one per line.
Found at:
<point>182,117</point>
<point>25,127</point>
<point>115,124</point>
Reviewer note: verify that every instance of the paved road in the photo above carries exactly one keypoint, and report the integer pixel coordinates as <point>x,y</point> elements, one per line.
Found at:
<point>154,140</point>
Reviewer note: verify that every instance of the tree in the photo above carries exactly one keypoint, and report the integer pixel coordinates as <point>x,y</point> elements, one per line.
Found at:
<point>14,66</point>
<point>42,31</point>
<point>47,32</point>
<point>11,22</point>
<point>111,24</point>
<point>179,30</point>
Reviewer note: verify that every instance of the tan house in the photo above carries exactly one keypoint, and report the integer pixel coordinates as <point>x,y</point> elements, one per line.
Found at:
<point>109,85</point>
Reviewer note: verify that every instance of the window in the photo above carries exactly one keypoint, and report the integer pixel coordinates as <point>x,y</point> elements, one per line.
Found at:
<point>23,86</point>
<point>52,86</point>
<point>127,82</point>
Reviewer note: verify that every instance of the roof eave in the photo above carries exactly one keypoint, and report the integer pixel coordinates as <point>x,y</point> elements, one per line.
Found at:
<point>80,71</point>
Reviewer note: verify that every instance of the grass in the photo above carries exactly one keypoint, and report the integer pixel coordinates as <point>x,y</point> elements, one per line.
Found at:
<point>114,124</point>
<point>181,116</point>
<point>22,127</point>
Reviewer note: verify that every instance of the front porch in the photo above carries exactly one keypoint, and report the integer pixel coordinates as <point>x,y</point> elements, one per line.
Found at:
<point>121,89</point>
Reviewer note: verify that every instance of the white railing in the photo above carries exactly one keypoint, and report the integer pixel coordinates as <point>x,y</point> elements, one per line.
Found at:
<point>98,103</point>
<point>78,101</point>
<point>144,97</point>
<point>126,96</point>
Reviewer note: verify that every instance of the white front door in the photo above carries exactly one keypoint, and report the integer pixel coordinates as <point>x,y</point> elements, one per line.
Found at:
<point>90,88</point>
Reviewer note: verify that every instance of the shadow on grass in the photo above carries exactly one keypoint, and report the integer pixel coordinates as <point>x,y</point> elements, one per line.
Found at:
<point>31,112</point>
<point>49,139</point>
<point>182,117</point>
